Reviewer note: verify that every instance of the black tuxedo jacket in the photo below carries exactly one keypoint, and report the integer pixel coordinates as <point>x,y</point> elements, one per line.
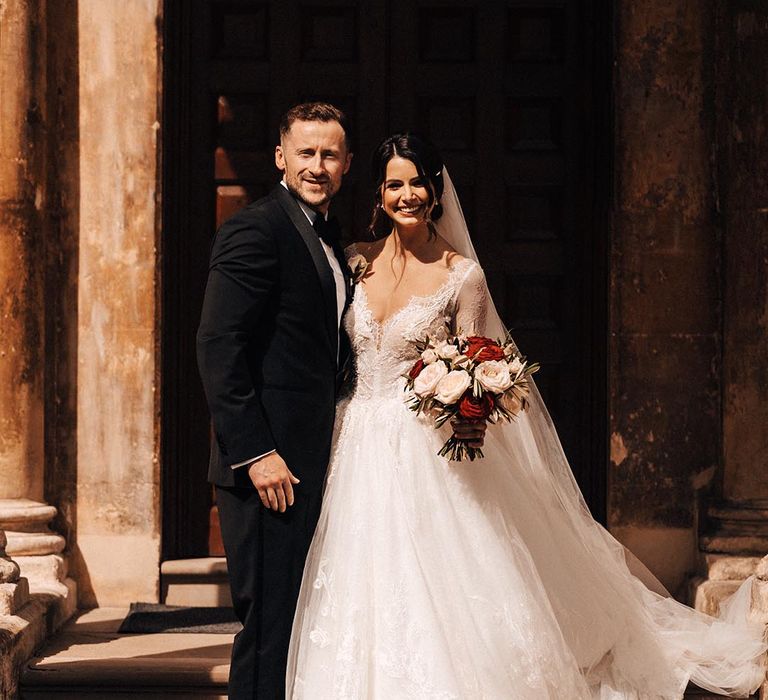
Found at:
<point>267,342</point>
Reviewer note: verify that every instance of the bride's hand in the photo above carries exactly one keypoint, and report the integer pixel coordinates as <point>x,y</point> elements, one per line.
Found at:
<point>274,481</point>
<point>472,432</point>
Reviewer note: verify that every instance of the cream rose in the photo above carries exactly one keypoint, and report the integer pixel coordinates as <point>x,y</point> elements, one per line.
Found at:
<point>448,351</point>
<point>429,356</point>
<point>493,376</point>
<point>425,384</point>
<point>451,387</point>
<point>511,403</point>
<point>515,365</point>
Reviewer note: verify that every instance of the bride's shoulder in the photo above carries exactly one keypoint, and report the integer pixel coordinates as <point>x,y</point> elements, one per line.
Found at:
<point>462,266</point>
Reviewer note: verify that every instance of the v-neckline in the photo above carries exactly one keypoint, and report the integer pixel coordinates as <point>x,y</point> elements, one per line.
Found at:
<point>413,298</point>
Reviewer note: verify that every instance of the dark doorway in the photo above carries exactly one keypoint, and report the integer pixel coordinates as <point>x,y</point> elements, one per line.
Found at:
<point>516,95</point>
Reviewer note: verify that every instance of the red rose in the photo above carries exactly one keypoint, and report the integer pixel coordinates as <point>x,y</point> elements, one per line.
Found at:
<point>490,352</point>
<point>481,349</point>
<point>416,369</point>
<point>475,408</point>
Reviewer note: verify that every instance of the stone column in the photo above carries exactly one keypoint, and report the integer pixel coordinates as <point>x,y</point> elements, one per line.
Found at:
<point>742,152</point>
<point>664,385</point>
<point>736,537</point>
<point>22,256</point>
<point>118,470</point>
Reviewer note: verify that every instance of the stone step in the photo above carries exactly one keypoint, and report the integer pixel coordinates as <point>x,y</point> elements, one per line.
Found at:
<point>90,659</point>
<point>195,582</point>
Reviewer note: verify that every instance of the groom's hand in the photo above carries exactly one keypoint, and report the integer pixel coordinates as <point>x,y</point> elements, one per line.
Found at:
<point>470,431</point>
<point>274,481</point>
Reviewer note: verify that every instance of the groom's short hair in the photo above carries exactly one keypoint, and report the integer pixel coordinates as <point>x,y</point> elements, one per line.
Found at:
<point>315,112</point>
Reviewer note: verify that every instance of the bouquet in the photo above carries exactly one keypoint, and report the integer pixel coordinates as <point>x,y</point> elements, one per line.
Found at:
<point>470,377</point>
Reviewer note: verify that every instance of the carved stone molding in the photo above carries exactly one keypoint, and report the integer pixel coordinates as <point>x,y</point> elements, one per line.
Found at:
<point>26,525</point>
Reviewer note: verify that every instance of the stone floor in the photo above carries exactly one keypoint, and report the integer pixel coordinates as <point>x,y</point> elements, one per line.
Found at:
<point>88,658</point>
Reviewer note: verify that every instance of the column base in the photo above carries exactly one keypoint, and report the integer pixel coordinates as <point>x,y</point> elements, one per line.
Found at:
<point>725,573</point>
<point>26,527</point>
<point>23,632</point>
<point>36,597</point>
<point>738,529</point>
<point>13,596</point>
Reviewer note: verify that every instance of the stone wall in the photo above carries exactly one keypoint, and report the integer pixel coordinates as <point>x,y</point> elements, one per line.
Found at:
<point>665,285</point>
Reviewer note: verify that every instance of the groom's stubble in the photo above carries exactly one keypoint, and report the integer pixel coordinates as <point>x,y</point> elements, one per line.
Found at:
<point>314,158</point>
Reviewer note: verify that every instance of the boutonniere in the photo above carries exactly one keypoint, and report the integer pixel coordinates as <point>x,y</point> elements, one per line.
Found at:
<point>358,266</point>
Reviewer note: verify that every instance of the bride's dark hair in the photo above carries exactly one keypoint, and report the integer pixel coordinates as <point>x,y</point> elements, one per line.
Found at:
<point>429,165</point>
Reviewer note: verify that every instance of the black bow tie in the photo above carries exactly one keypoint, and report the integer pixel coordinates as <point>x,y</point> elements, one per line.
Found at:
<point>328,231</point>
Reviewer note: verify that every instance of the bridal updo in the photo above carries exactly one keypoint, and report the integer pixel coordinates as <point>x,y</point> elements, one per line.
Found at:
<point>429,165</point>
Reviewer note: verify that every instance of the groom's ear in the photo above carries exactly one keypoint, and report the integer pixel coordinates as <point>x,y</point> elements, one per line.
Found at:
<point>280,158</point>
<point>347,163</point>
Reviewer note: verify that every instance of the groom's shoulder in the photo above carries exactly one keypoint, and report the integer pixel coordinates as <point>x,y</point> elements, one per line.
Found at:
<point>260,210</point>
<point>260,215</point>
<point>250,229</point>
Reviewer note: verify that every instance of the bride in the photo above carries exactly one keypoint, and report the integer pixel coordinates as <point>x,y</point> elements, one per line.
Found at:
<point>487,579</point>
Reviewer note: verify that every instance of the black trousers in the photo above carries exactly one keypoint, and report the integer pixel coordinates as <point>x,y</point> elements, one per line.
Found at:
<point>265,556</point>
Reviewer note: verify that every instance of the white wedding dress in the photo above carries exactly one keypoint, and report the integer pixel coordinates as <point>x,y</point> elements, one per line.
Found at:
<point>430,579</point>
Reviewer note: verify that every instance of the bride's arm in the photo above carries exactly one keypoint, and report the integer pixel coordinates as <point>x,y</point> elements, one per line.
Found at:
<point>470,316</point>
<point>471,309</point>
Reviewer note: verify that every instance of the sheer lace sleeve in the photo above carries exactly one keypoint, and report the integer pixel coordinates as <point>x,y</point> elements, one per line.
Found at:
<point>471,308</point>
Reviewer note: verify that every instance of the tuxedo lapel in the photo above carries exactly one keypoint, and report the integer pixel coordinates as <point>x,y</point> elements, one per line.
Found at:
<point>319,258</point>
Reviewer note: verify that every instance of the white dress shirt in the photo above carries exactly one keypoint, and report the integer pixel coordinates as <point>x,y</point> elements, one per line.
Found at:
<point>341,291</point>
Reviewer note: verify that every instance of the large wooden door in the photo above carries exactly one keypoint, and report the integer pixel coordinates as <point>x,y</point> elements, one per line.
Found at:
<point>514,94</point>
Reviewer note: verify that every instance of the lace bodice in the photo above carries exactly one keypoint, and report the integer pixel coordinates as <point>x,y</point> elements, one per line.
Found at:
<point>385,351</point>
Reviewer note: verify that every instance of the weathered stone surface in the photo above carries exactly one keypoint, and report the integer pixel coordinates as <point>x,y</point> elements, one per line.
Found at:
<point>13,596</point>
<point>22,200</point>
<point>44,573</point>
<point>25,523</point>
<point>758,610</point>
<point>117,431</point>
<point>710,594</point>
<point>729,568</point>
<point>24,632</point>
<point>670,553</point>
<point>31,543</point>
<point>742,152</point>
<point>9,569</point>
<point>25,515</point>
<point>61,262</point>
<point>665,297</point>
<point>665,409</point>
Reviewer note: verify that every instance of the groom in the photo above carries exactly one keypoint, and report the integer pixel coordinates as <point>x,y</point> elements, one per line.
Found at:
<point>271,354</point>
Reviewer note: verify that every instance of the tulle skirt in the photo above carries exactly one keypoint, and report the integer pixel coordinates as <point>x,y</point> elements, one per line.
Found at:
<point>473,580</point>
